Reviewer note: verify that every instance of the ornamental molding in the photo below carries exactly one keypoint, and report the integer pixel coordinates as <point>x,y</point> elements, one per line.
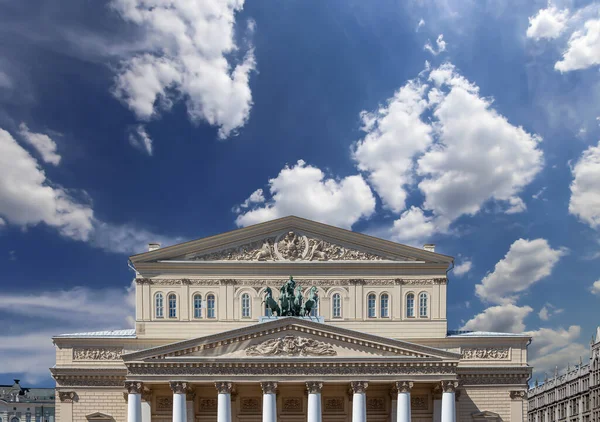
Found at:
<point>334,404</point>
<point>518,394</point>
<point>359,387</point>
<point>291,346</point>
<point>97,353</point>
<point>404,386</point>
<point>494,379</point>
<point>288,246</point>
<point>269,387</point>
<point>485,353</point>
<point>288,369</point>
<point>314,387</point>
<point>419,402</point>
<point>67,396</point>
<point>292,405</point>
<point>258,283</point>
<point>86,381</point>
<point>223,387</point>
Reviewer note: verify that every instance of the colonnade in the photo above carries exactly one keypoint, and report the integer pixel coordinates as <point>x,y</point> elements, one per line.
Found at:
<point>314,413</point>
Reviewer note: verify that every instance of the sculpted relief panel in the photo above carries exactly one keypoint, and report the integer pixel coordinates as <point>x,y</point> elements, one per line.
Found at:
<point>486,353</point>
<point>291,346</point>
<point>93,353</point>
<point>289,246</point>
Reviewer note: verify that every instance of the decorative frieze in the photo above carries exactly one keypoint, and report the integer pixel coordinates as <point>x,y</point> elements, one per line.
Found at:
<point>222,387</point>
<point>97,353</point>
<point>518,394</point>
<point>305,282</point>
<point>208,405</point>
<point>250,404</point>
<point>334,404</point>
<point>494,379</point>
<point>375,404</point>
<point>359,387</point>
<point>67,396</point>
<point>485,353</point>
<point>269,387</point>
<point>164,403</point>
<point>89,381</point>
<point>291,346</point>
<point>292,405</point>
<point>314,387</point>
<point>419,402</point>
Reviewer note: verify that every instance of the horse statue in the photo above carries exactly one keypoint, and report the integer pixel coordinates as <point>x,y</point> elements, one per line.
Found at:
<point>298,300</point>
<point>311,302</point>
<point>271,304</point>
<point>286,297</point>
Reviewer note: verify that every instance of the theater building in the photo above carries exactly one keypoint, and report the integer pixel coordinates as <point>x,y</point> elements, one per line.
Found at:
<point>375,346</point>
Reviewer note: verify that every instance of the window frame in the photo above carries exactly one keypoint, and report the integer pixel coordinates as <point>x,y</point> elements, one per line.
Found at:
<point>174,296</point>
<point>426,306</point>
<point>411,308</point>
<point>371,305</point>
<point>244,308</point>
<point>338,307</point>
<point>197,315</point>
<point>212,309</point>
<point>387,305</point>
<point>160,314</point>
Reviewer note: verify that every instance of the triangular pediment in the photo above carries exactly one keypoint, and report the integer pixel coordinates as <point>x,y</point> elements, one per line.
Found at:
<point>290,239</point>
<point>99,417</point>
<point>290,338</point>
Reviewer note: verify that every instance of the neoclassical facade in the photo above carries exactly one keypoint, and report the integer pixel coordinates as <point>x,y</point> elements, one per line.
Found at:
<point>572,396</point>
<point>206,348</point>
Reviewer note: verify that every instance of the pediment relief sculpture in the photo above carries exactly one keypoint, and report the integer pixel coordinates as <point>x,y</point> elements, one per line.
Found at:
<point>291,346</point>
<point>289,246</point>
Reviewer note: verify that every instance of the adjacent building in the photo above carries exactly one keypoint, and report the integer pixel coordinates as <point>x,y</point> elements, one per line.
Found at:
<point>20,404</point>
<point>573,396</point>
<point>376,346</point>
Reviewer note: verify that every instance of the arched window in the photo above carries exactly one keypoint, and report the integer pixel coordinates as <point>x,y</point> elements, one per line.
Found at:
<point>159,307</point>
<point>337,305</point>
<point>210,306</point>
<point>384,301</point>
<point>172,305</point>
<point>371,305</point>
<point>245,305</point>
<point>423,304</point>
<point>198,306</point>
<point>410,305</point>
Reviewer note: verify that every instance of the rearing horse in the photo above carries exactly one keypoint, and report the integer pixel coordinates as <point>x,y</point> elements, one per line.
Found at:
<point>271,303</point>
<point>311,302</point>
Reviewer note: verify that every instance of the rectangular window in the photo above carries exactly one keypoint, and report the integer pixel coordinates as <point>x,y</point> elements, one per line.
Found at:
<point>371,306</point>
<point>245,306</point>
<point>384,306</point>
<point>423,305</point>
<point>337,306</point>
<point>210,306</point>
<point>410,305</point>
<point>197,306</point>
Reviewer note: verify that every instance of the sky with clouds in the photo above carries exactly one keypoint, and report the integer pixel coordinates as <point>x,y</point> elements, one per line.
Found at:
<point>470,124</point>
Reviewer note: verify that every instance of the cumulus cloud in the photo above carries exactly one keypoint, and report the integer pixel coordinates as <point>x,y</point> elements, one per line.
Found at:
<point>595,288</point>
<point>413,227</point>
<point>36,318</point>
<point>583,49</point>
<point>28,198</point>
<point>463,268</point>
<point>551,348</point>
<point>526,262</point>
<point>548,311</point>
<point>139,138</point>
<point>503,318</point>
<point>420,24</point>
<point>305,191</point>
<point>548,23</point>
<point>585,190</point>
<point>192,55</point>
<point>42,143</point>
<point>440,43</point>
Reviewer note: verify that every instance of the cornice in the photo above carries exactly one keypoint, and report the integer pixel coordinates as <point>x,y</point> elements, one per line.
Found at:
<point>211,282</point>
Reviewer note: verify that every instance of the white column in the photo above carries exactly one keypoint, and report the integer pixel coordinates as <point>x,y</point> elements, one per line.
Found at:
<point>449,401</point>
<point>359,401</point>
<point>314,401</point>
<point>179,408</point>
<point>223,401</point>
<point>403,411</point>
<point>134,401</point>
<point>269,412</point>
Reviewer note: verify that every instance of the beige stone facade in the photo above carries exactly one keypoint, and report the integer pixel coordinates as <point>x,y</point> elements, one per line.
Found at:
<point>200,321</point>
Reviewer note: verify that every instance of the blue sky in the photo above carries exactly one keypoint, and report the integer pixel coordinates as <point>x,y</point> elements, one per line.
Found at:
<point>469,124</point>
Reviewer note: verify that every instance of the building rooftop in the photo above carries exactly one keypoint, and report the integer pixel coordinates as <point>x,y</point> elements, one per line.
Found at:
<point>458,333</point>
<point>129,333</point>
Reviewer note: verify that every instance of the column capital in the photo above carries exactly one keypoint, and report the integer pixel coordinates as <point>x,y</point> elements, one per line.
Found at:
<point>359,387</point>
<point>269,387</point>
<point>67,396</point>
<point>314,387</point>
<point>134,387</point>
<point>449,386</point>
<point>404,386</point>
<point>518,394</point>
<point>224,387</point>
<point>178,387</point>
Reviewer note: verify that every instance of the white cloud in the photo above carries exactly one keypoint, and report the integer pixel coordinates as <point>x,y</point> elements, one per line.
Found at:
<point>554,347</point>
<point>27,198</point>
<point>139,138</point>
<point>515,205</point>
<point>257,197</point>
<point>585,190</point>
<point>503,318</point>
<point>35,318</point>
<point>43,144</point>
<point>394,135</point>
<point>526,262</point>
<point>595,288</point>
<point>539,193</point>
<point>305,191</point>
<point>414,227</point>
<point>463,268</point>
<point>190,57</point>
<point>583,50</point>
<point>441,45</point>
<point>126,238</point>
<point>5,80</point>
<point>548,23</point>
<point>420,24</point>
<point>548,311</point>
